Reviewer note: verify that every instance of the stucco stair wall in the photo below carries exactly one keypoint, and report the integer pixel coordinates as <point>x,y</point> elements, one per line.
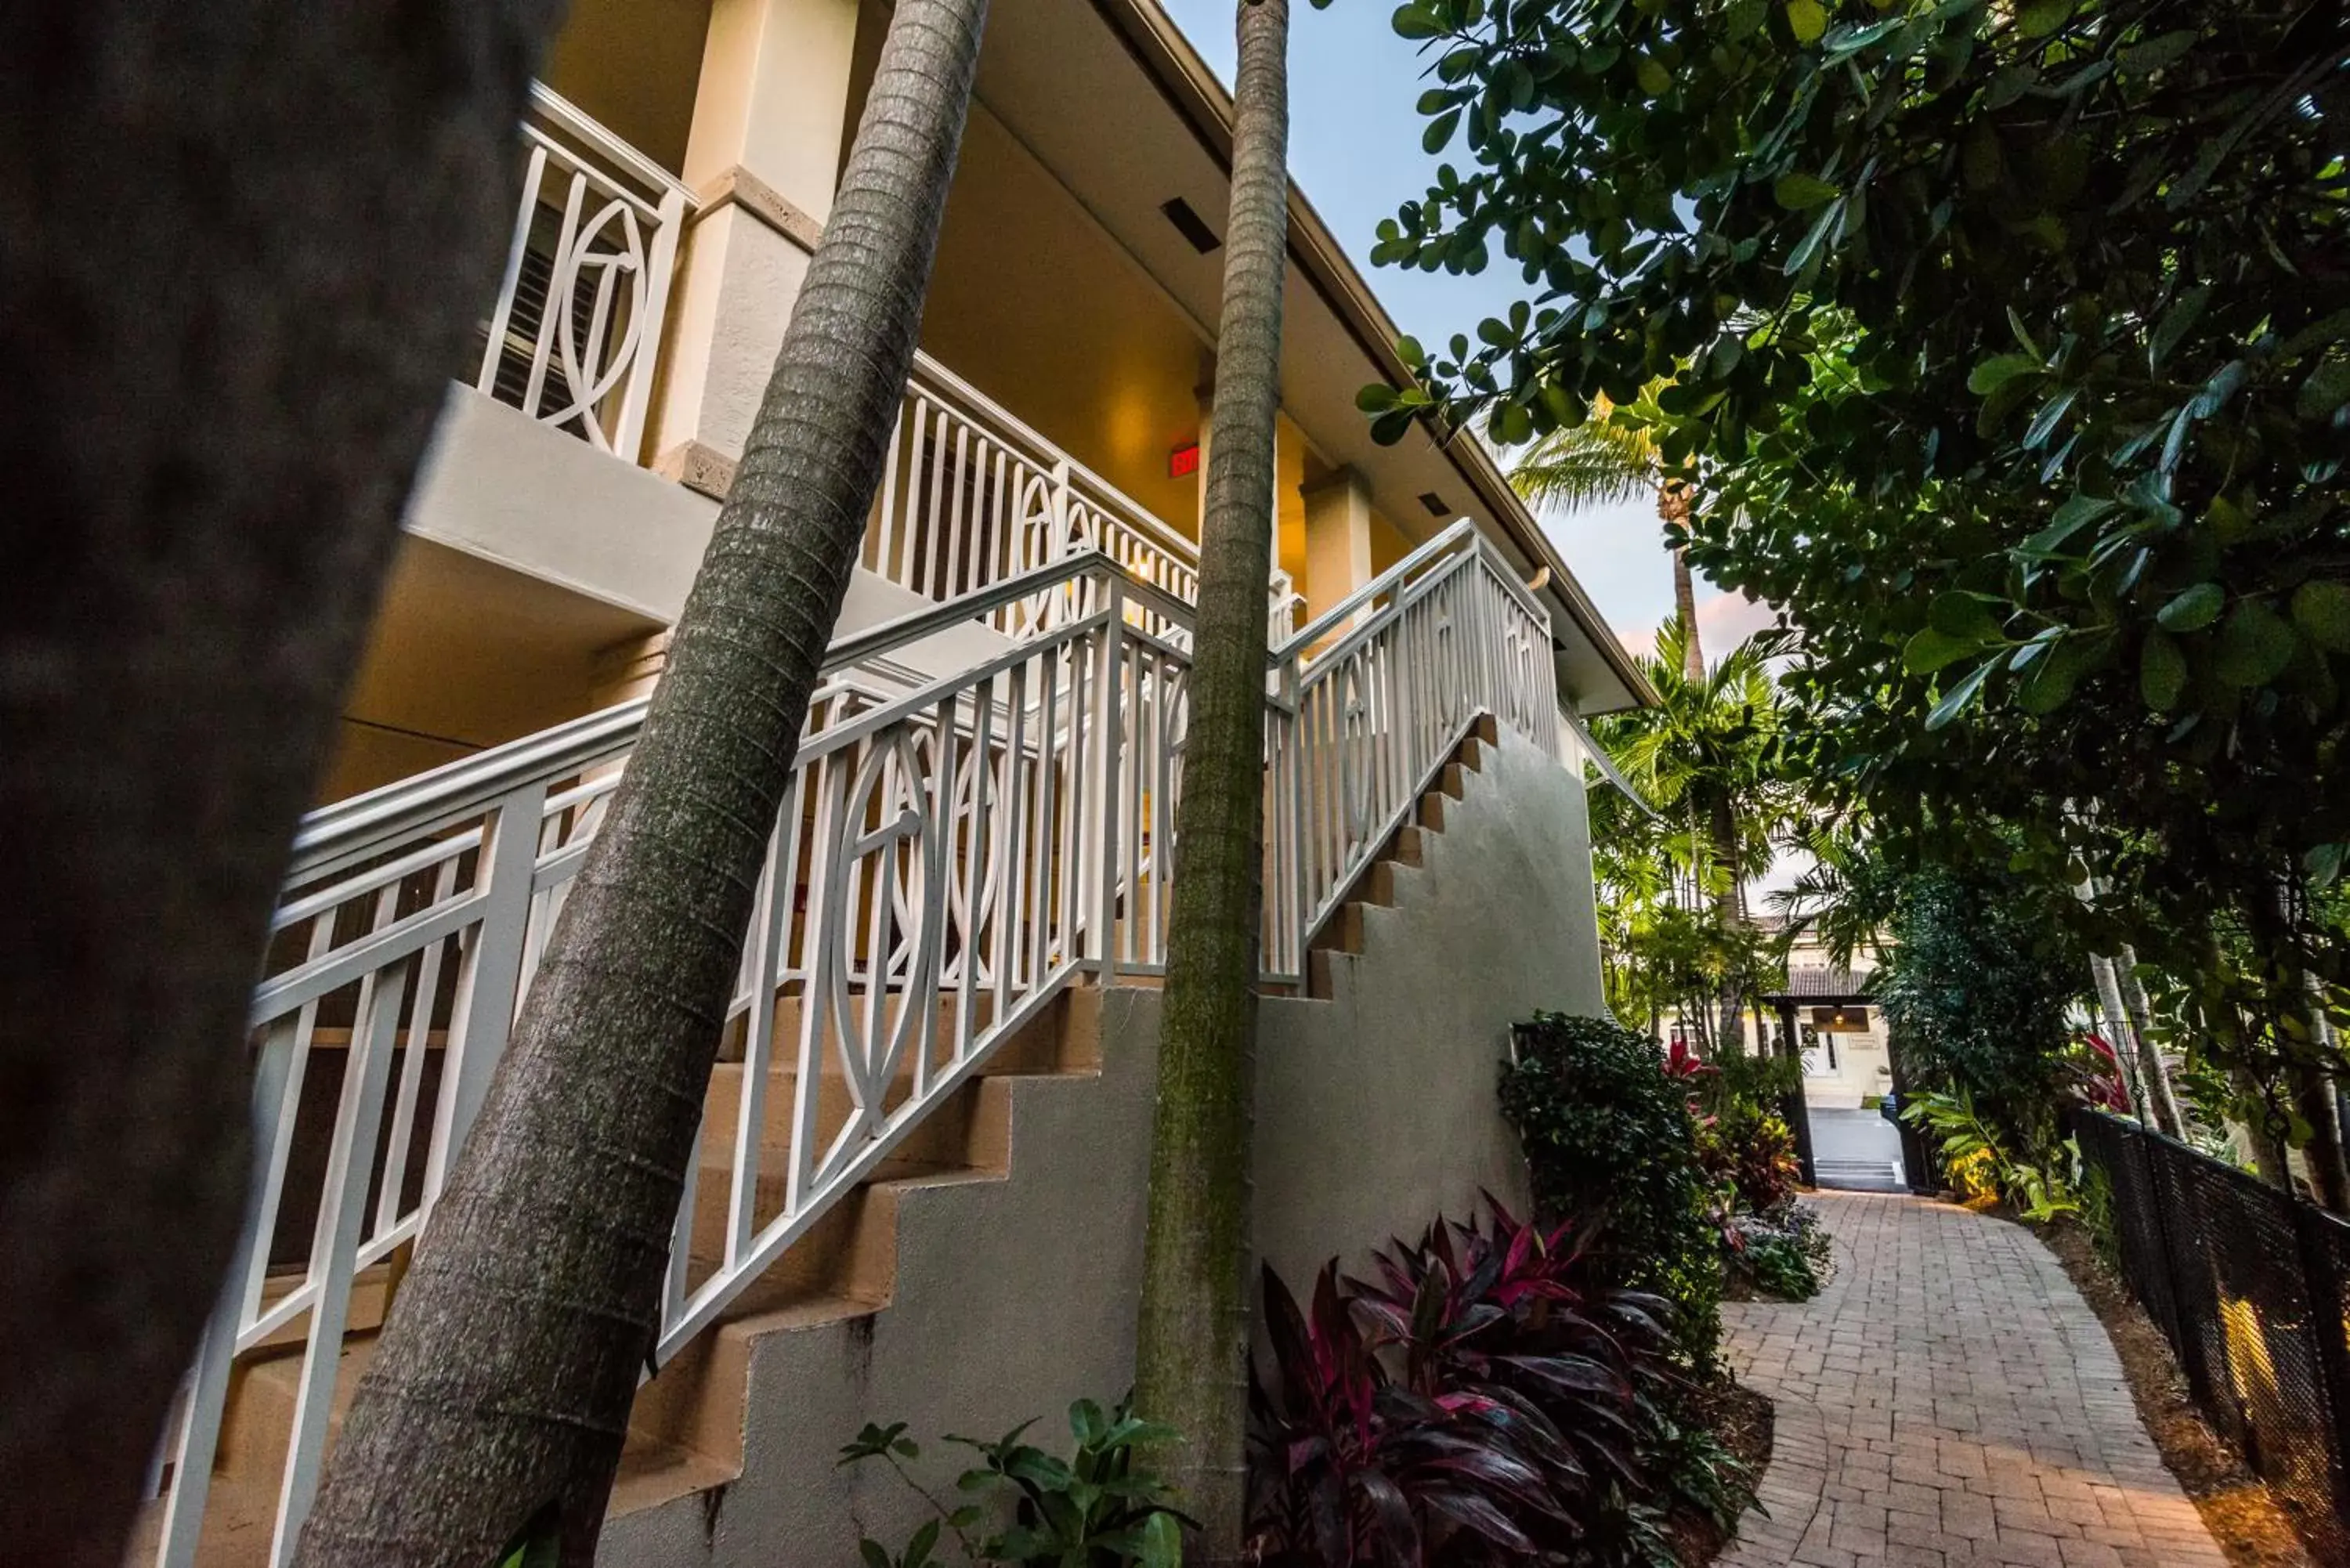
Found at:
<point>1011,1294</point>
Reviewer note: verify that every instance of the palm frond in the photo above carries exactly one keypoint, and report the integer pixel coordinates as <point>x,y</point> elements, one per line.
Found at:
<point>1594,463</point>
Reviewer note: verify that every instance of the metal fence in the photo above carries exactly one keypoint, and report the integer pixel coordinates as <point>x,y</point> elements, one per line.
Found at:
<point>2248,1285</point>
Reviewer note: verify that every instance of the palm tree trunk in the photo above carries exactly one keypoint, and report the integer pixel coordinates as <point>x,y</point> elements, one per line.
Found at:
<point>504,1379</point>
<point>1192,1330</point>
<point>1673,508</point>
<point>1726,912</point>
<point>2161,1103</point>
<point>222,350</point>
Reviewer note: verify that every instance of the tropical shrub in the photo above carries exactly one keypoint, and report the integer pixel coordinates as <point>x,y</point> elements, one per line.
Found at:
<point>1349,1463</point>
<point>1608,1132</point>
<point>1753,1153</point>
<point>1483,1399</point>
<point>1097,1508</point>
<point>1978,1164</point>
<point>1975,993</point>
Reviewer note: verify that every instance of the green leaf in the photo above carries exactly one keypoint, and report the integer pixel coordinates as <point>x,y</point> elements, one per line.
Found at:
<point>2071,518</point>
<point>2323,864</point>
<point>2161,673</point>
<point>2167,48</point>
<point>1654,79</point>
<point>1964,617</point>
<point>2321,610</point>
<point>925,1540</point>
<point>2000,369</point>
<point>2176,322</point>
<point>2255,645</point>
<point>875,1556</point>
<point>1440,130</point>
<point>1799,192</point>
<point>2328,389</point>
<point>1931,649</point>
<point>1416,21</point>
<point>2194,609</point>
<point>1162,1543</point>
<point>1807,19</point>
<point>1376,399</point>
<point>1959,698</point>
<point>2038,18</point>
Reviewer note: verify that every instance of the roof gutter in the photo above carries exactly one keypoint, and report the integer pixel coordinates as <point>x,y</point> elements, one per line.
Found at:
<point>1156,42</point>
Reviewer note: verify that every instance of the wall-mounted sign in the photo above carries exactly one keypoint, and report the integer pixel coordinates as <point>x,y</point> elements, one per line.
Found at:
<point>1840,1020</point>
<point>1184,461</point>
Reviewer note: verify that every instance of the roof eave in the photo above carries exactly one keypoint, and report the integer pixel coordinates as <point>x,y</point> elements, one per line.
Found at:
<point>1207,108</point>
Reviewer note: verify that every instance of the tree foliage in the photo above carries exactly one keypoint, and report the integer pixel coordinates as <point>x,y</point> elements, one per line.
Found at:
<point>1980,979</point>
<point>1672,869</point>
<point>2004,347</point>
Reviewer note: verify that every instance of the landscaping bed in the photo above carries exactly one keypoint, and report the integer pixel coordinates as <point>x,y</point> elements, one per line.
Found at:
<point>2242,1517</point>
<point>1742,1422</point>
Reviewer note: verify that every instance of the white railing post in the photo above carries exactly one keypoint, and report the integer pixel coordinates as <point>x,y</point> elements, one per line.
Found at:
<point>483,1014</point>
<point>334,1249</point>
<point>629,432</point>
<point>1110,713</point>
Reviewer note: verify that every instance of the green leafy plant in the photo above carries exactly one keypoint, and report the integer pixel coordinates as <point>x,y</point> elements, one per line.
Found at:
<point>1609,1134</point>
<point>1980,1166</point>
<point>1095,1509</point>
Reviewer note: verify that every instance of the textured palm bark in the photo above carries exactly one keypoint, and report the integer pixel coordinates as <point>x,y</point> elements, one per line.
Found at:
<point>1192,1332</point>
<point>502,1383</point>
<point>1673,508</point>
<point>243,244</point>
<point>2161,1101</point>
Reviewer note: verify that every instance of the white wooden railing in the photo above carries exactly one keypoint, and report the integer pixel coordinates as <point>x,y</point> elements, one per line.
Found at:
<point>946,860</point>
<point>971,495</point>
<point>573,337</point>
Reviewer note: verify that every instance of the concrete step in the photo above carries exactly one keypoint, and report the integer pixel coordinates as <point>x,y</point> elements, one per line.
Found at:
<point>686,1428</point>
<point>1342,937</point>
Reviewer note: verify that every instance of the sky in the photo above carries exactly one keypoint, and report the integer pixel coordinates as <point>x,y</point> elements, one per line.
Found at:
<point>1354,149</point>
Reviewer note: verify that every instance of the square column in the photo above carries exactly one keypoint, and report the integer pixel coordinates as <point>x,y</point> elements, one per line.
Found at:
<point>763,160</point>
<point>1337,540</point>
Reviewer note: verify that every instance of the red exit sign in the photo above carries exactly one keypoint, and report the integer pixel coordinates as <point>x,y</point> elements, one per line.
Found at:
<point>1184,461</point>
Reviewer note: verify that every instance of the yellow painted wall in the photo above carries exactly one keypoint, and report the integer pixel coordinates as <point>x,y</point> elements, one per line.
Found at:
<point>1043,312</point>
<point>1387,543</point>
<point>463,655</point>
<point>632,65</point>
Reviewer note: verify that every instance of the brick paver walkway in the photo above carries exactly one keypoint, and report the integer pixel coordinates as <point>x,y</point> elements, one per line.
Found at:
<point>1950,1400</point>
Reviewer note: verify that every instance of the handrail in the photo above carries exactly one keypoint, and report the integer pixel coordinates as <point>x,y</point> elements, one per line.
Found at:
<point>1384,583</point>
<point>574,121</point>
<point>417,804</point>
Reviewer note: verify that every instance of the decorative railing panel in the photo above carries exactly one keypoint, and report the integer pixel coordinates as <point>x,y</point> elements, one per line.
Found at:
<point>574,334</point>
<point>971,496</point>
<point>946,860</point>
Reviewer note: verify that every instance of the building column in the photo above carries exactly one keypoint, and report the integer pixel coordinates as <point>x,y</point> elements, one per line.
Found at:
<point>1337,540</point>
<point>764,160</point>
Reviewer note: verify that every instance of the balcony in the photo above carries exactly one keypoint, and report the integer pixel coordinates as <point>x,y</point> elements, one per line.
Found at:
<point>972,495</point>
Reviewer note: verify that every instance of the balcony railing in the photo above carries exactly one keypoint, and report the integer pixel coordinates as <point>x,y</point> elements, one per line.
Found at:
<point>575,334</point>
<point>973,496</point>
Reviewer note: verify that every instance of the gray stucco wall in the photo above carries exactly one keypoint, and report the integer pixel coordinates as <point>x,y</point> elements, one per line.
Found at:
<point>1015,1297</point>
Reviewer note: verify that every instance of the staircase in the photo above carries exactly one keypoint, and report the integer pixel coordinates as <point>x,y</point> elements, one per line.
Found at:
<point>959,869</point>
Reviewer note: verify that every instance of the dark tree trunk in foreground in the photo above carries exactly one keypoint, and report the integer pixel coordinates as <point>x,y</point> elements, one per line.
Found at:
<point>504,1379</point>
<point>1193,1330</point>
<point>241,247</point>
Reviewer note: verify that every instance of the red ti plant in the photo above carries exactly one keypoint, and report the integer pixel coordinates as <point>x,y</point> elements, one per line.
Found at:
<point>1349,1466</point>
<point>1471,1405</point>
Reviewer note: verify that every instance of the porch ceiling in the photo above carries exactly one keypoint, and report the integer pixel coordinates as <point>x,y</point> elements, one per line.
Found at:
<point>1109,96</point>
